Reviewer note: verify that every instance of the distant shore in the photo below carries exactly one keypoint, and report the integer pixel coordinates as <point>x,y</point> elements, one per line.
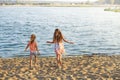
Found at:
<point>102,67</point>
<point>59,5</point>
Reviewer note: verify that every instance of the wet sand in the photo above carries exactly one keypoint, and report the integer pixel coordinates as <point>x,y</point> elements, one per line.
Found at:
<point>94,67</point>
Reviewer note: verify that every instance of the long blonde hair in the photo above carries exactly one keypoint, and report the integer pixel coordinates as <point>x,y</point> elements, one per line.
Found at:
<point>57,37</point>
<point>32,38</point>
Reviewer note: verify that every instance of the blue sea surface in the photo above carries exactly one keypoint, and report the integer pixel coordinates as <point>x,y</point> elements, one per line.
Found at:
<point>92,30</point>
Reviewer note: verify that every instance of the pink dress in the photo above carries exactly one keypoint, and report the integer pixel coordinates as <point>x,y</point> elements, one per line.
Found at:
<point>32,48</point>
<point>59,48</point>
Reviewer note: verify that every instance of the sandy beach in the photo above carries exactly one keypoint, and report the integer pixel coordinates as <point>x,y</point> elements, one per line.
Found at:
<point>94,67</point>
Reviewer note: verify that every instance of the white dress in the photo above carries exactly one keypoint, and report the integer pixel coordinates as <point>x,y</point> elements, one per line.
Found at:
<point>59,48</point>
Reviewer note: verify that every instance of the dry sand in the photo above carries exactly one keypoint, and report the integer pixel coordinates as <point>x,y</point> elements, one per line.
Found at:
<point>93,67</point>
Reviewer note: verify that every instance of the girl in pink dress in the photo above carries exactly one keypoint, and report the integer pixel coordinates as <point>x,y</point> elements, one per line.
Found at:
<point>32,44</point>
<point>59,47</point>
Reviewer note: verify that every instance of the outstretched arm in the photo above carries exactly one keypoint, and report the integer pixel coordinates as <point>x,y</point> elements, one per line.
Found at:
<point>68,41</point>
<point>26,47</point>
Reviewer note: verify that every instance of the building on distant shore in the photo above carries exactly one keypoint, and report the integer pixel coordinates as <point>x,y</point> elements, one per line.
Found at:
<point>58,3</point>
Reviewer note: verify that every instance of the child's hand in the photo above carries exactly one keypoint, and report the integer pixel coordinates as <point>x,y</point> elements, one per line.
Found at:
<point>38,53</point>
<point>48,42</point>
<point>25,50</point>
<point>71,42</point>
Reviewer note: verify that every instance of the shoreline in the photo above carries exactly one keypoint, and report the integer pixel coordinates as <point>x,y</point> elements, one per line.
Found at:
<point>63,55</point>
<point>74,68</point>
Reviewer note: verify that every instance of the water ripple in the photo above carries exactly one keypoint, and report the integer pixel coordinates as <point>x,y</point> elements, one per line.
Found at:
<point>92,30</point>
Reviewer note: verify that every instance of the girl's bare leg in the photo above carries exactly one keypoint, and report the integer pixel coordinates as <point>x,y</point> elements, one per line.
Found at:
<point>35,59</point>
<point>60,60</point>
<point>30,61</point>
<point>57,59</point>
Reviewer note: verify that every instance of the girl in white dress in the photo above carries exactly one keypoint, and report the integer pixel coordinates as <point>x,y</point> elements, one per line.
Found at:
<point>59,47</point>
